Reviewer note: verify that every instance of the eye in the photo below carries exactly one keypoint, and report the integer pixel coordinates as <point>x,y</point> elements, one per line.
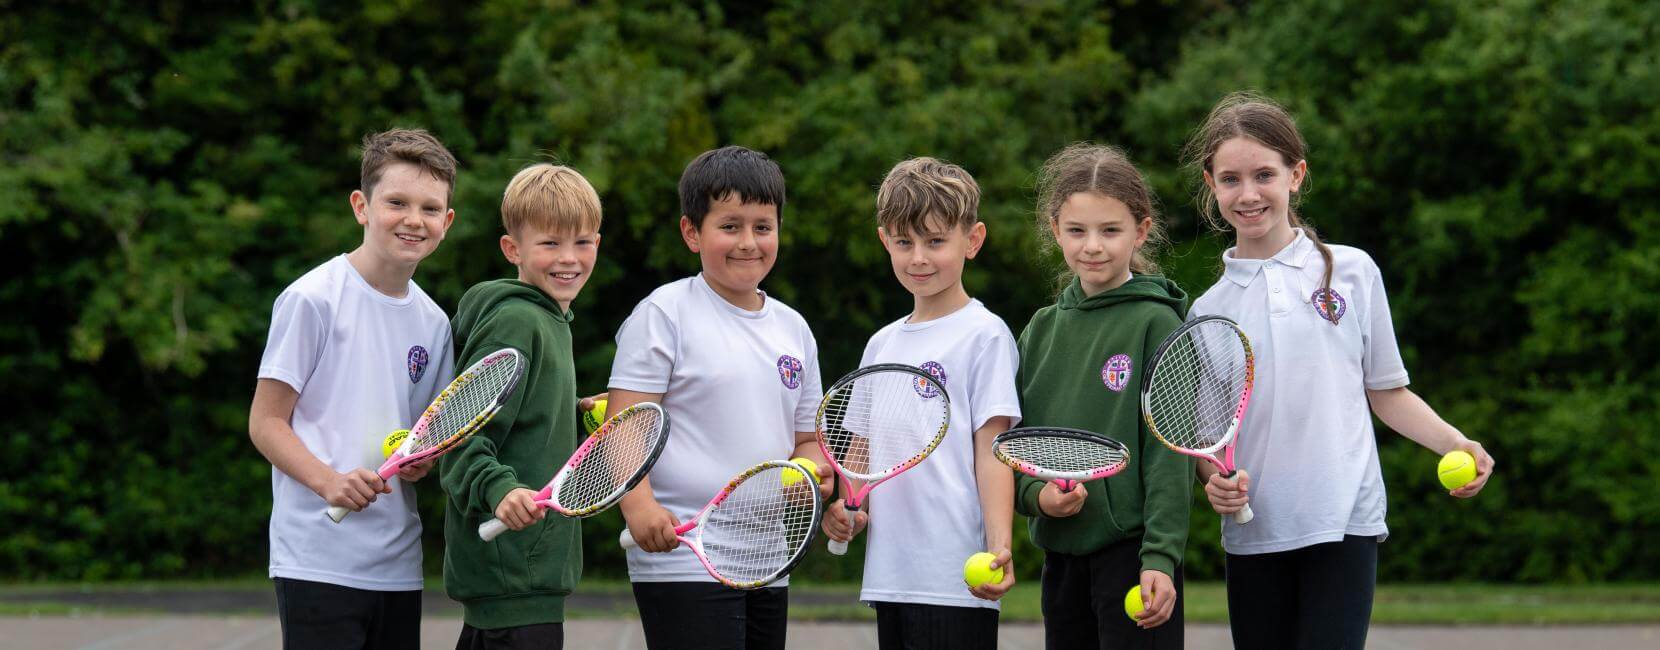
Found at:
<point>1074,230</point>
<point>1265,177</point>
<point>765,227</point>
<point>1229,179</point>
<point>395,202</point>
<point>937,242</point>
<point>729,227</point>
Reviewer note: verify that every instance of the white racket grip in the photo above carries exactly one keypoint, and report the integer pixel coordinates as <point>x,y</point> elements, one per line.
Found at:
<point>626,540</point>
<point>1243,516</point>
<point>838,548</point>
<point>338,512</point>
<point>492,529</point>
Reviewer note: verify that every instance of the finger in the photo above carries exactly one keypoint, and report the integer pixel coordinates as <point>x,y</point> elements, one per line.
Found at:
<point>1244,481</point>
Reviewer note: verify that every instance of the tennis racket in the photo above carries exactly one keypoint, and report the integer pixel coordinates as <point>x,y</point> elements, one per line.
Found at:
<point>756,529</point>
<point>460,410</point>
<point>1196,392</point>
<point>1063,456</point>
<point>877,422</point>
<point>607,465</point>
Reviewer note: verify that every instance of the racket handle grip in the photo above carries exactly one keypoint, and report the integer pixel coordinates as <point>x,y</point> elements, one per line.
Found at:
<point>492,529</point>
<point>838,548</point>
<point>1243,516</point>
<point>338,512</point>
<point>626,540</point>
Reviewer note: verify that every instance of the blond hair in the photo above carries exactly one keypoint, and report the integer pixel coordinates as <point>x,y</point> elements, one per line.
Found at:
<point>1103,171</point>
<point>924,187</point>
<point>552,198</point>
<point>413,146</point>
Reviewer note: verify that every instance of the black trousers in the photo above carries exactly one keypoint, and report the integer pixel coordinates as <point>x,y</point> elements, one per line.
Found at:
<point>709,615</point>
<point>910,626</point>
<point>323,615</point>
<point>1318,596</point>
<point>541,636</point>
<point>1083,602</point>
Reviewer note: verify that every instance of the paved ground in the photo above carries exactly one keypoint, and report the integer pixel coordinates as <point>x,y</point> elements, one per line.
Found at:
<point>230,632</point>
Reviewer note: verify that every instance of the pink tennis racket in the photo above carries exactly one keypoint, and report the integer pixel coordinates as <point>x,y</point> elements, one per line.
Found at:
<point>458,412</point>
<point>877,422</point>
<point>756,529</point>
<point>1060,455</point>
<point>1197,389</point>
<point>608,464</point>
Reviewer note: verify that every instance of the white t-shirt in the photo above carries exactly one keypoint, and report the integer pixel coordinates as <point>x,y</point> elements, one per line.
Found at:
<point>737,386</point>
<point>365,364</point>
<point>925,522</point>
<point>1307,439</point>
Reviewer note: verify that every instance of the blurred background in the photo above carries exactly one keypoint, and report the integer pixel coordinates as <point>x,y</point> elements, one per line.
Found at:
<point>167,168</point>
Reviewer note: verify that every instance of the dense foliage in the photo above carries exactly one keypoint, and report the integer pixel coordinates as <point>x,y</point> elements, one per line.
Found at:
<point>168,169</point>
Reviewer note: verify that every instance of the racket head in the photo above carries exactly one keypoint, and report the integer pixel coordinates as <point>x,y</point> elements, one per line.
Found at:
<point>613,459</point>
<point>880,420</point>
<point>759,526</point>
<point>1060,453</point>
<point>1198,385</point>
<point>462,408</point>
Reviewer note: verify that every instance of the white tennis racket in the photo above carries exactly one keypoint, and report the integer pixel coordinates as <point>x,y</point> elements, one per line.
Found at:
<point>1065,457</point>
<point>1197,389</point>
<point>877,422</point>
<point>756,529</point>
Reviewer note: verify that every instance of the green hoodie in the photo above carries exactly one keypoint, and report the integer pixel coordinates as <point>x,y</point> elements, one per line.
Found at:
<point>1082,361</point>
<point>522,577</point>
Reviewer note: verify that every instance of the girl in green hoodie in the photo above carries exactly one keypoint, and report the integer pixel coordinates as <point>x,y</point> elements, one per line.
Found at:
<point>1081,366</point>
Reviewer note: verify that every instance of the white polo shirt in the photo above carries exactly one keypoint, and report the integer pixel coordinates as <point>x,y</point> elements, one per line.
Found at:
<point>925,522</point>
<point>1307,439</point>
<point>737,386</point>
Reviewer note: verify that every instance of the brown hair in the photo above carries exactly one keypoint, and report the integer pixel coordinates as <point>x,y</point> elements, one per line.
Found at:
<point>1261,120</point>
<point>1104,171</point>
<point>922,187</point>
<point>551,197</point>
<point>413,146</point>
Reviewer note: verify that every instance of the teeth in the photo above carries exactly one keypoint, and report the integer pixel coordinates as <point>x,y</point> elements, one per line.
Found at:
<point>411,238</point>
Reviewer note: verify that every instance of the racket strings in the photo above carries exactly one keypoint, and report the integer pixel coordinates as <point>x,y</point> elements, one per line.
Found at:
<point>1061,454</point>
<point>1196,387</point>
<point>760,528</point>
<point>881,421</point>
<point>618,453</point>
<point>466,399</point>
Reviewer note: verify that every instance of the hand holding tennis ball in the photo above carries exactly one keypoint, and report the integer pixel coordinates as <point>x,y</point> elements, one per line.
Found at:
<point>790,477</point>
<point>977,570</point>
<point>393,442</point>
<point>1457,469</point>
<point>592,418</point>
<point>1133,604</point>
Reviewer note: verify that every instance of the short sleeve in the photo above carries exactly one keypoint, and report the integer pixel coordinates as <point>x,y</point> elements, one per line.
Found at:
<point>295,344</point>
<point>812,387</point>
<point>992,390</point>
<point>1381,360</point>
<point>647,346</point>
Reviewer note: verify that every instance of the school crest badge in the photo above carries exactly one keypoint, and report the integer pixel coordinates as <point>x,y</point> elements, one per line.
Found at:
<point>789,371</point>
<point>417,364</point>
<point>925,389</point>
<point>1329,304</point>
<point>1116,373</point>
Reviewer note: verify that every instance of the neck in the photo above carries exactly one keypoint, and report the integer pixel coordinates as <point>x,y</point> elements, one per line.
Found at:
<point>746,299</point>
<point>939,305</point>
<point>1264,247</point>
<point>1090,289</point>
<point>386,277</point>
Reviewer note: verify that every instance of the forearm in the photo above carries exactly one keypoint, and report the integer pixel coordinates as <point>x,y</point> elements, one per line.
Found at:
<point>996,485</point>
<point>1408,414</point>
<point>276,440</point>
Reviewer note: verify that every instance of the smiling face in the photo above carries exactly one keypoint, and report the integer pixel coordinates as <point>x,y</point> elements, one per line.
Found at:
<point>557,263</point>
<point>1253,187</point>
<point>404,216</point>
<point>737,244</point>
<point>930,264</point>
<point>1098,237</point>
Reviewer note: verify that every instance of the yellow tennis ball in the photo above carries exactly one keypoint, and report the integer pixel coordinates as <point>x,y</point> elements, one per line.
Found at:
<point>790,477</point>
<point>977,570</point>
<point>592,418</point>
<point>1457,468</point>
<point>1132,602</point>
<point>392,442</point>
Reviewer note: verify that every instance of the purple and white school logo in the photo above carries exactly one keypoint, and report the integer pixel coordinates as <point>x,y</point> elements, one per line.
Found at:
<point>1329,304</point>
<point>923,387</point>
<point>1116,373</point>
<point>417,364</point>
<point>789,371</point>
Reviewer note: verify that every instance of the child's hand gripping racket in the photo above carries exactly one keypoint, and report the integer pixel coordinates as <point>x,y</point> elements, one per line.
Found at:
<point>460,410</point>
<point>877,422</point>
<point>1065,457</point>
<point>1197,388</point>
<point>756,529</point>
<point>607,465</point>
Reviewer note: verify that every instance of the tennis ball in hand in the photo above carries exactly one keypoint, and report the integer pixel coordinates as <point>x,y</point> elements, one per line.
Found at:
<point>790,477</point>
<point>393,442</point>
<point>1132,602</point>
<point>1457,468</point>
<point>592,418</point>
<point>977,570</point>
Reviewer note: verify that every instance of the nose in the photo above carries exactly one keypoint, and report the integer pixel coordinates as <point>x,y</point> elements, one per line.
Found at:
<point>917,258</point>
<point>1094,243</point>
<point>746,240</point>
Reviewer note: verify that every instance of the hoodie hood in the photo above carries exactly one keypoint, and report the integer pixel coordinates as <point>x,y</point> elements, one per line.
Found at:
<point>1156,288</point>
<point>485,296</point>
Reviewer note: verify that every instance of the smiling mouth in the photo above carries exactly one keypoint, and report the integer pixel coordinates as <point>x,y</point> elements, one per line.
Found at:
<point>920,277</point>
<point>565,277</point>
<point>1252,213</point>
<point>413,239</point>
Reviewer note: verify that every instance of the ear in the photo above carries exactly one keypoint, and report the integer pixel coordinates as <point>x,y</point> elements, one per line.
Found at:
<point>360,207</point>
<point>596,241</point>
<point>976,238</point>
<point>449,219</point>
<point>688,232</point>
<point>1055,228</point>
<point>1299,172</point>
<point>883,236</point>
<point>1210,181</point>
<point>510,249</point>
<point>1142,229</point>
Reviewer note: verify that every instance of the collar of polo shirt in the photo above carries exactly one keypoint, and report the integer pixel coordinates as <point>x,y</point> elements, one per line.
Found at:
<point>1294,255</point>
